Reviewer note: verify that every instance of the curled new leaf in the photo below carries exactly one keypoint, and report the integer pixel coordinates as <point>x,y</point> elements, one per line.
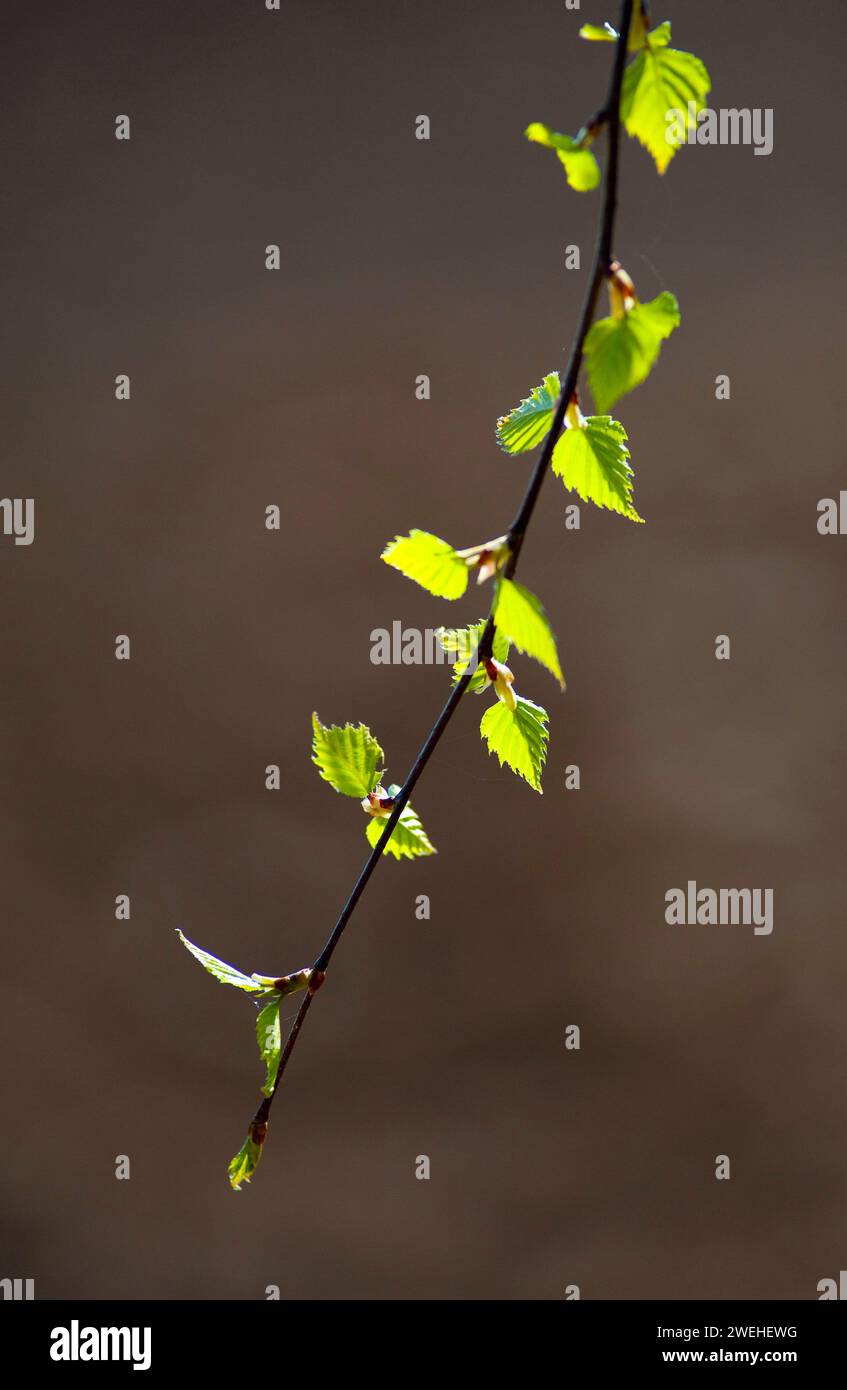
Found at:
<point>518,737</point>
<point>246,1161</point>
<point>350,759</point>
<point>431,562</point>
<point>621,351</point>
<point>606,32</point>
<point>521,617</point>
<point>592,458</point>
<point>581,168</point>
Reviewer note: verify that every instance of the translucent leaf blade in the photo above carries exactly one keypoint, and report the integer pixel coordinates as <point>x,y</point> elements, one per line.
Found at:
<point>227,974</point>
<point>430,562</point>
<point>662,80</point>
<point>408,840</point>
<point>269,1038</point>
<point>349,759</point>
<point>620,353</point>
<point>593,461</point>
<point>581,168</point>
<point>518,738</point>
<point>520,615</point>
<point>529,423</point>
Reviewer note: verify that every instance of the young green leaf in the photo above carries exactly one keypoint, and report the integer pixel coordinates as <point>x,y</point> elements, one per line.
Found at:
<point>227,974</point>
<point>529,423</point>
<point>635,39</point>
<point>350,759</point>
<point>521,617</point>
<point>603,33</point>
<point>464,641</point>
<point>269,1038</point>
<point>581,168</point>
<point>518,737</point>
<point>620,352</point>
<point>431,562</point>
<point>660,37</point>
<point>246,1161</point>
<point>408,840</point>
<point>663,91</point>
<point>592,459</point>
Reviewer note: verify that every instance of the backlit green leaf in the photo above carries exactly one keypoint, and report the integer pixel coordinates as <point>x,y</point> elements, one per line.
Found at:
<point>660,82</point>
<point>581,168</point>
<point>518,737</point>
<point>269,1038</point>
<point>660,37</point>
<point>603,33</point>
<point>593,461</point>
<point>529,423</point>
<point>408,840</point>
<point>637,36</point>
<point>227,974</point>
<point>350,759</point>
<point>521,617</point>
<point>431,562</point>
<point>620,352</point>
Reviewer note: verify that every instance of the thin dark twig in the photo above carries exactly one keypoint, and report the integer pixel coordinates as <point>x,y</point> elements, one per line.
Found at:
<point>610,115</point>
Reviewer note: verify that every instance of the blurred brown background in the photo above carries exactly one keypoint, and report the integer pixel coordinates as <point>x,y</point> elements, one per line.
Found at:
<point>444,1037</point>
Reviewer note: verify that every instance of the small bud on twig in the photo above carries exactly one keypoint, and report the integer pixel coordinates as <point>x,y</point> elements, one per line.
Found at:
<point>488,558</point>
<point>502,679</point>
<point>622,295</point>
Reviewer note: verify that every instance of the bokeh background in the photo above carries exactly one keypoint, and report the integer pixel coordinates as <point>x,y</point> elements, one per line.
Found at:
<point>442,1037</point>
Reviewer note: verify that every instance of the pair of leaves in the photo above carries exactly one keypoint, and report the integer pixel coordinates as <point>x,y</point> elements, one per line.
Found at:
<point>518,737</point>
<point>268,1030</point>
<point>620,352</point>
<point>663,91</point>
<point>519,621</point>
<point>581,168</point>
<point>638,31</point>
<point>518,616</point>
<point>352,761</point>
<point>591,458</point>
<point>268,1036</point>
